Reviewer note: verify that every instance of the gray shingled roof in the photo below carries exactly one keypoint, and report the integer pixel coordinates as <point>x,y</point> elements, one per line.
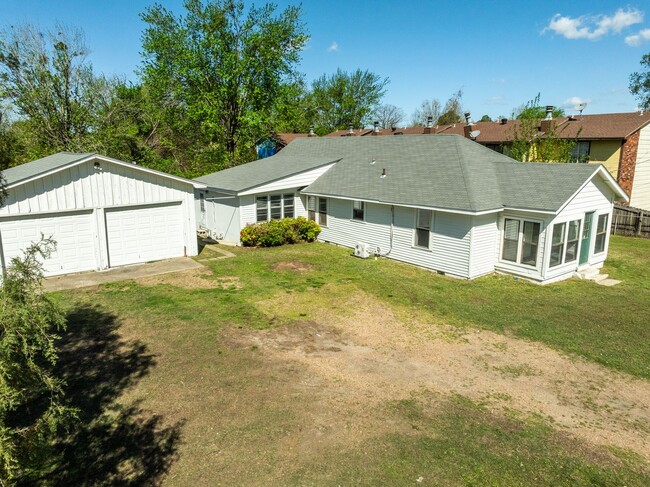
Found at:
<point>442,171</point>
<point>39,166</point>
<point>284,164</point>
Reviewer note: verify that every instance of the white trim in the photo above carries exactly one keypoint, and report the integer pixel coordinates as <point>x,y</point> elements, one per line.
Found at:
<point>78,162</point>
<point>609,180</point>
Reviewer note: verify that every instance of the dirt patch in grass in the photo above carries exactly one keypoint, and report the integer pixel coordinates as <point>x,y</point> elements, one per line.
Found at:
<point>368,356</point>
<point>200,278</point>
<point>294,266</point>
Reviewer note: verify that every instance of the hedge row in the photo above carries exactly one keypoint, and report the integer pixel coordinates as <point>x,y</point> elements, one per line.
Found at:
<point>279,232</point>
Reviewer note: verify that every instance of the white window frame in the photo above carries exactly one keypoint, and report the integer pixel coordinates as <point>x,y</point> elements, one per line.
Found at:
<point>316,214</point>
<point>268,196</point>
<point>355,209</point>
<point>416,228</point>
<point>604,233</point>
<point>520,241</point>
<point>565,242</point>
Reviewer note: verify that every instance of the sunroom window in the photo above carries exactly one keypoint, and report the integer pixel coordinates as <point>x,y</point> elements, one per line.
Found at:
<point>601,234</point>
<point>520,241</point>
<point>564,242</point>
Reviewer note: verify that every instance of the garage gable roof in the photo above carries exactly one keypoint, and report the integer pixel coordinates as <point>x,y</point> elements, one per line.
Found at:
<point>61,160</point>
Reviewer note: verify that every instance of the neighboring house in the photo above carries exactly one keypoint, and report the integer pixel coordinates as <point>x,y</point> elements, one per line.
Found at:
<point>619,141</point>
<point>102,212</point>
<point>274,143</point>
<point>444,203</point>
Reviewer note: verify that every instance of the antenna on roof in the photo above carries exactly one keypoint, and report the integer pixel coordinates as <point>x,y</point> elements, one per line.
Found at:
<point>474,134</point>
<point>580,107</point>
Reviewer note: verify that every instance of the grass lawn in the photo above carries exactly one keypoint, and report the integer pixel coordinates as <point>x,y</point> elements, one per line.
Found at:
<point>177,380</point>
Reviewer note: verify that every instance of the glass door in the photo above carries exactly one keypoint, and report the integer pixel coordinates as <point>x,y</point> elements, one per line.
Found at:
<point>585,242</point>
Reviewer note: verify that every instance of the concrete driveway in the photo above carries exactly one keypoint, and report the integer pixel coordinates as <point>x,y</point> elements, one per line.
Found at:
<point>136,271</point>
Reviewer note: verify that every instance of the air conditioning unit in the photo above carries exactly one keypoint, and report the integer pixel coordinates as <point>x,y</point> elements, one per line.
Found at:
<point>362,250</point>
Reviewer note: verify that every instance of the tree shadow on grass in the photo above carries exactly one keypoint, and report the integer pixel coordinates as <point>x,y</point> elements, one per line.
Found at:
<point>111,443</point>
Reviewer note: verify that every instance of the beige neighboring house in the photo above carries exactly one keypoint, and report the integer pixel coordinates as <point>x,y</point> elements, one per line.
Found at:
<point>619,141</point>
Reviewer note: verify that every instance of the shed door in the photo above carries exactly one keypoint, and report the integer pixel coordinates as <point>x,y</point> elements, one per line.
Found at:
<point>73,232</point>
<point>144,233</point>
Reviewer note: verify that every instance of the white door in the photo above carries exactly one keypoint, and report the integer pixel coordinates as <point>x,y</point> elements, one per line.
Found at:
<point>144,234</point>
<point>73,233</point>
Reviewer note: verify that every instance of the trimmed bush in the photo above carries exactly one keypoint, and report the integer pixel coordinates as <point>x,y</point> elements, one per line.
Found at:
<point>279,232</point>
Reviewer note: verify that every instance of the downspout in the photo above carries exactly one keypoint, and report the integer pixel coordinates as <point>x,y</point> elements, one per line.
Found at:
<point>392,226</point>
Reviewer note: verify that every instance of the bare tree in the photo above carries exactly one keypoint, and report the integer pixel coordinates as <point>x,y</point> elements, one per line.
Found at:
<point>428,108</point>
<point>388,116</point>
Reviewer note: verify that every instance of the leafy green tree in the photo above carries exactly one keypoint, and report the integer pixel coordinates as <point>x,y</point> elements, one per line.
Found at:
<point>532,110</point>
<point>217,71</point>
<point>343,99</point>
<point>31,397</point>
<point>46,78</point>
<point>640,83</point>
<point>485,118</point>
<point>452,111</point>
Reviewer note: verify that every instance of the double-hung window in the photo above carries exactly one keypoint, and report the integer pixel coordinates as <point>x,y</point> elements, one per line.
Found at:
<point>423,228</point>
<point>564,243</point>
<point>317,205</point>
<point>601,233</point>
<point>274,207</point>
<point>358,210</point>
<point>520,241</point>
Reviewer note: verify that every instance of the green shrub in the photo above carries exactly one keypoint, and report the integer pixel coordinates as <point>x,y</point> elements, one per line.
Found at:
<point>279,232</point>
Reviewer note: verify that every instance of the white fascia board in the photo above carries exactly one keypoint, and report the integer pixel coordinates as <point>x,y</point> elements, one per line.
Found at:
<point>83,160</point>
<point>423,207</point>
<point>253,189</point>
<point>608,179</point>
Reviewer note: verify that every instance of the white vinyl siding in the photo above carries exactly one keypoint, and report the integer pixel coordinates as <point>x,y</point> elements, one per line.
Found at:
<point>449,238</point>
<point>295,181</point>
<point>484,244</point>
<point>640,197</point>
<point>82,187</point>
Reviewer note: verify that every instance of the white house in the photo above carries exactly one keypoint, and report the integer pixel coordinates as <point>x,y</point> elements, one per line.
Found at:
<point>438,201</point>
<point>102,212</point>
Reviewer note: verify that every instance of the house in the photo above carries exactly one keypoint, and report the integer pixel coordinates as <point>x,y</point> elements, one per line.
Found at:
<point>274,143</point>
<point>102,212</point>
<point>619,141</point>
<point>441,202</point>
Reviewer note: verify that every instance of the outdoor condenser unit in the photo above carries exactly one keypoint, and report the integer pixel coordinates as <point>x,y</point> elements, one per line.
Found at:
<point>362,250</point>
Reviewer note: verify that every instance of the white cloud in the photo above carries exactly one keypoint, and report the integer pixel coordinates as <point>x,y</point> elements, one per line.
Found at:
<point>574,100</point>
<point>334,47</point>
<point>638,39</point>
<point>594,27</point>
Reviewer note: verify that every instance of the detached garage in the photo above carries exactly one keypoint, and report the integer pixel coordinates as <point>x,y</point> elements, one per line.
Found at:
<point>102,212</point>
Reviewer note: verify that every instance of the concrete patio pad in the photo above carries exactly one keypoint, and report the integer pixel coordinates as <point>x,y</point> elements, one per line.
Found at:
<point>136,271</point>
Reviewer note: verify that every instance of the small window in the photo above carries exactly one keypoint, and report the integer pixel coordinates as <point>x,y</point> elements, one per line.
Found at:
<point>573,234</point>
<point>358,210</point>
<point>288,205</point>
<point>601,234</point>
<point>510,240</point>
<point>322,211</point>
<point>202,202</point>
<point>423,228</point>
<point>557,244</point>
<point>311,208</point>
<point>262,208</point>
<point>276,207</point>
<point>580,151</point>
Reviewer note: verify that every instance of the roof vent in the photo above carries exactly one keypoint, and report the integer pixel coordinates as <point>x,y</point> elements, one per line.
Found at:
<point>350,130</point>
<point>468,118</point>
<point>549,112</point>
<point>383,173</point>
<point>429,121</point>
<point>311,131</point>
<point>375,129</point>
<point>504,121</point>
<point>373,160</point>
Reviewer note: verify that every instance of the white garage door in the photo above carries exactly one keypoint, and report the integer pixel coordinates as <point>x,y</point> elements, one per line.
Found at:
<point>143,234</point>
<point>73,232</point>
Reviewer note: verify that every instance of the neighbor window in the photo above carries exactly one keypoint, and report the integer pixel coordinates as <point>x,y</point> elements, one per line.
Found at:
<point>423,228</point>
<point>564,242</point>
<point>274,207</point>
<point>601,234</point>
<point>520,241</point>
<point>317,205</point>
<point>358,210</point>
<point>580,151</point>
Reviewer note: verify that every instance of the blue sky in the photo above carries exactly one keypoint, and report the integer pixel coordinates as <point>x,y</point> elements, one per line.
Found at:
<point>500,54</point>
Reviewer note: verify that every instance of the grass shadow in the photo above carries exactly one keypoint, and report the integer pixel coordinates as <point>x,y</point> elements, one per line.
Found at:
<point>111,443</point>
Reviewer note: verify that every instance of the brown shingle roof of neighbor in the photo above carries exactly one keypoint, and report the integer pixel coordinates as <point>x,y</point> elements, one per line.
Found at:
<point>582,127</point>
<point>286,137</point>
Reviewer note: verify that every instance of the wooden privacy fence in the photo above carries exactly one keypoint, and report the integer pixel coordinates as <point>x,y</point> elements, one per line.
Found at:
<point>630,221</point>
